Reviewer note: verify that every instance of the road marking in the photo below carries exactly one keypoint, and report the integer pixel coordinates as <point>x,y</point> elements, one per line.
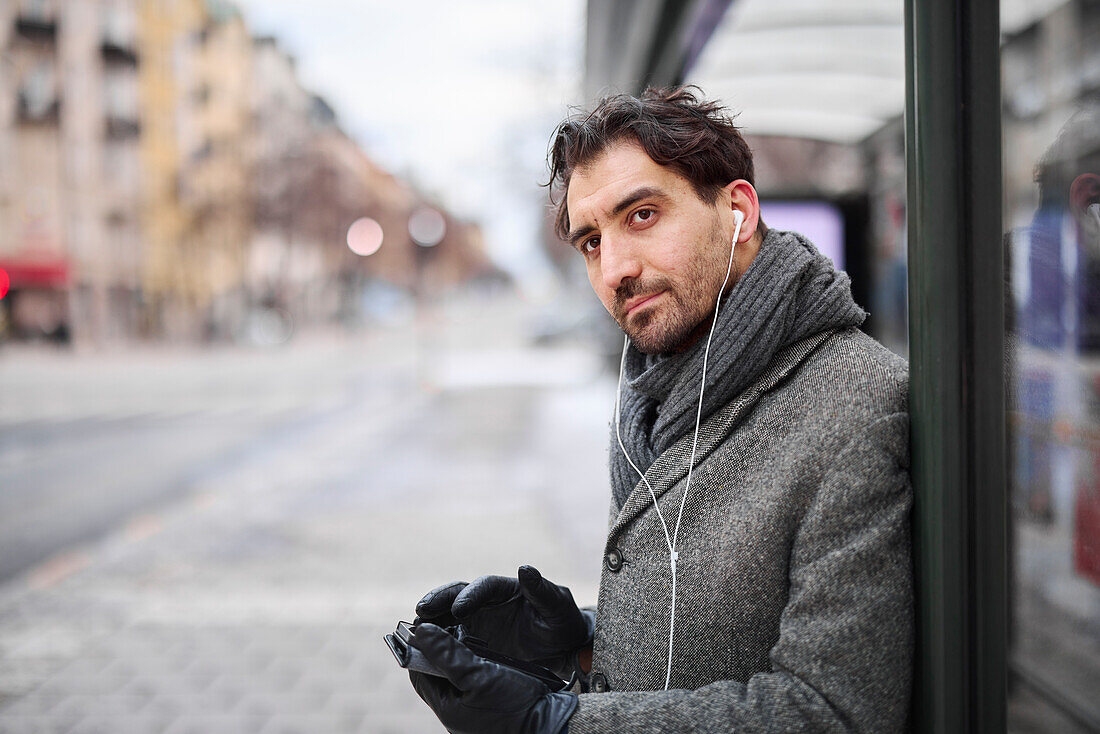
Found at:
<point>204,499</point>
<point>142,527</point>
<point>56,569</point>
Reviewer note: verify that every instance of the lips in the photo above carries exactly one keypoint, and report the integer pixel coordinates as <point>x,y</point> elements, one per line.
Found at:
<point>638,301</point>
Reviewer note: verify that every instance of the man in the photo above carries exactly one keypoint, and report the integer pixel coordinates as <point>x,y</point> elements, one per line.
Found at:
<point>757,571</point>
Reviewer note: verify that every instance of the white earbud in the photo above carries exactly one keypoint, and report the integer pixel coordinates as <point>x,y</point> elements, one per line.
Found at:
<point>738,220</point>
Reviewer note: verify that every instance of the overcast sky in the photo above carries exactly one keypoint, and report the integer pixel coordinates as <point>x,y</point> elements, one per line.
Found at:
<point>459,96</point>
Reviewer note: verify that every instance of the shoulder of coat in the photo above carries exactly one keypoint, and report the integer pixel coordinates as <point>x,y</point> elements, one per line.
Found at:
<point>851,366</point>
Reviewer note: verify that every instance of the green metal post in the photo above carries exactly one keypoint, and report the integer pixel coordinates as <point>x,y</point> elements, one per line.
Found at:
<point>956,332</point>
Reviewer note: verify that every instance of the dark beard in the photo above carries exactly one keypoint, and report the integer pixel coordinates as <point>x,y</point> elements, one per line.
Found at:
<point>681,322</point>
<point>686,316</point>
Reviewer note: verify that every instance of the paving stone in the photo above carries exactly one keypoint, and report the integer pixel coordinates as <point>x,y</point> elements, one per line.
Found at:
<point>25,725</point>
<point>217,723</point>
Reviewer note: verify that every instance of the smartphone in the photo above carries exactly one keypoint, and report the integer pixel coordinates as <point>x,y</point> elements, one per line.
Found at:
<point>410,658</point>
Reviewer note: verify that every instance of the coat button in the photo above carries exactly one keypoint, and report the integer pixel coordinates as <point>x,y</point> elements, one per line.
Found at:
<point>599,683</point>
<point>614,560</point>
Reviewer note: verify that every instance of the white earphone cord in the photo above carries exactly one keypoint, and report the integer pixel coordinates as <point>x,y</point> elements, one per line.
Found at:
<point>671,541</point>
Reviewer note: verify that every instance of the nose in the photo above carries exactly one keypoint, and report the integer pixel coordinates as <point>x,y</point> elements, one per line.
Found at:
<point>618,262</point>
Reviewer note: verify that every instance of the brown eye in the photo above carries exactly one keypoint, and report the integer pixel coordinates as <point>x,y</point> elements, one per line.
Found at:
<point>643,215</point>
<point>589,246</point>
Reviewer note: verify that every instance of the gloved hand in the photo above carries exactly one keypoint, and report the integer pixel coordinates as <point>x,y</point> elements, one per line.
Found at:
<point>482,697</point>
<point>528,617</point>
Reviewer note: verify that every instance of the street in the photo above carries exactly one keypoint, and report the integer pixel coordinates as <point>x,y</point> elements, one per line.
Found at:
<point>216,541</point>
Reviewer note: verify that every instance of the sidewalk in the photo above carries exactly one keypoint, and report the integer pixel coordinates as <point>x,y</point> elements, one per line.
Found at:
<point>258,602</point>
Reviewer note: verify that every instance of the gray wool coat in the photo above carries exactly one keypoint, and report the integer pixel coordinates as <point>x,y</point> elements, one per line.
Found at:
<point>795,602</point>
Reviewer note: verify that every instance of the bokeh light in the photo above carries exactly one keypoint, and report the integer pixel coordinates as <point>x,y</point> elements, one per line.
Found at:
<point>5,283</point>
<point>365,236</point>
<point>427,227</point>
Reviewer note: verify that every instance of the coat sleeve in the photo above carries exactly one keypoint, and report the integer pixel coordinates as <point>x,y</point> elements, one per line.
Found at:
<point>843,661</point>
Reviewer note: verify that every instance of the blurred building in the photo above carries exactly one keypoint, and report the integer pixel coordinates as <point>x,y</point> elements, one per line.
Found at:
<point>285,126</point>
<point>108,285</point>
<point>310,183</point>
<point>171,284</point>
<point>307,188</point>
<point>452,256</point>
<point>165,174</point>
<point>70,124</point>
<point>48,158</point>
<point>217,172</point>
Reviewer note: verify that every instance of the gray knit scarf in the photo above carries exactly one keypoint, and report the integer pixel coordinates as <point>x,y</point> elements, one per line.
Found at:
<point>789,292</point>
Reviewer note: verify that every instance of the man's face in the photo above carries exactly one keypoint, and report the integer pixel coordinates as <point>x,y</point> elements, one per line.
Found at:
<point>656,253</point>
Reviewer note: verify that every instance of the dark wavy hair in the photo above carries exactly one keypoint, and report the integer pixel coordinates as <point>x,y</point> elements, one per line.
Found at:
<point>675,126</point>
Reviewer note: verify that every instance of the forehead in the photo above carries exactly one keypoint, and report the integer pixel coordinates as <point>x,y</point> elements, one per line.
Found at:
<point>624,167</point>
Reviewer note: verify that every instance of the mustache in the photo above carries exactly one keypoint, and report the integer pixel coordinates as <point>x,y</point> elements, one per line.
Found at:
<point>632,288</point>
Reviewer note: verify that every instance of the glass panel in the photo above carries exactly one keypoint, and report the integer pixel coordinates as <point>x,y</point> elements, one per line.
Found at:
<point>1051,116</point>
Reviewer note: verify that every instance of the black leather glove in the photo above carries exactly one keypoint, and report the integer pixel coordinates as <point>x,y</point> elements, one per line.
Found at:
<point>482,697</point>
<point>528,617</point>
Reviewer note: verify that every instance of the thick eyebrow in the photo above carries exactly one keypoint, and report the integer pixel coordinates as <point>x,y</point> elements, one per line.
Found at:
<point>645,192</point>
<point>579,233</point>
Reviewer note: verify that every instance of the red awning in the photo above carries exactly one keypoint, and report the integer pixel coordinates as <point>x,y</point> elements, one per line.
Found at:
<point>37,273</point>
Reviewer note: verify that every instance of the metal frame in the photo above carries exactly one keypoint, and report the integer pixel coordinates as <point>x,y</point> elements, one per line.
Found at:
<point>632,44</point>
<point>957,375</point>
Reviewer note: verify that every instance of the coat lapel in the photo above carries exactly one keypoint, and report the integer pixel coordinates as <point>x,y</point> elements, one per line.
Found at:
<point>672,465</point>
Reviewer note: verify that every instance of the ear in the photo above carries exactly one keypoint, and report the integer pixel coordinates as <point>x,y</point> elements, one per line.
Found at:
<point>1084,190</point>
<point>741,195</point>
